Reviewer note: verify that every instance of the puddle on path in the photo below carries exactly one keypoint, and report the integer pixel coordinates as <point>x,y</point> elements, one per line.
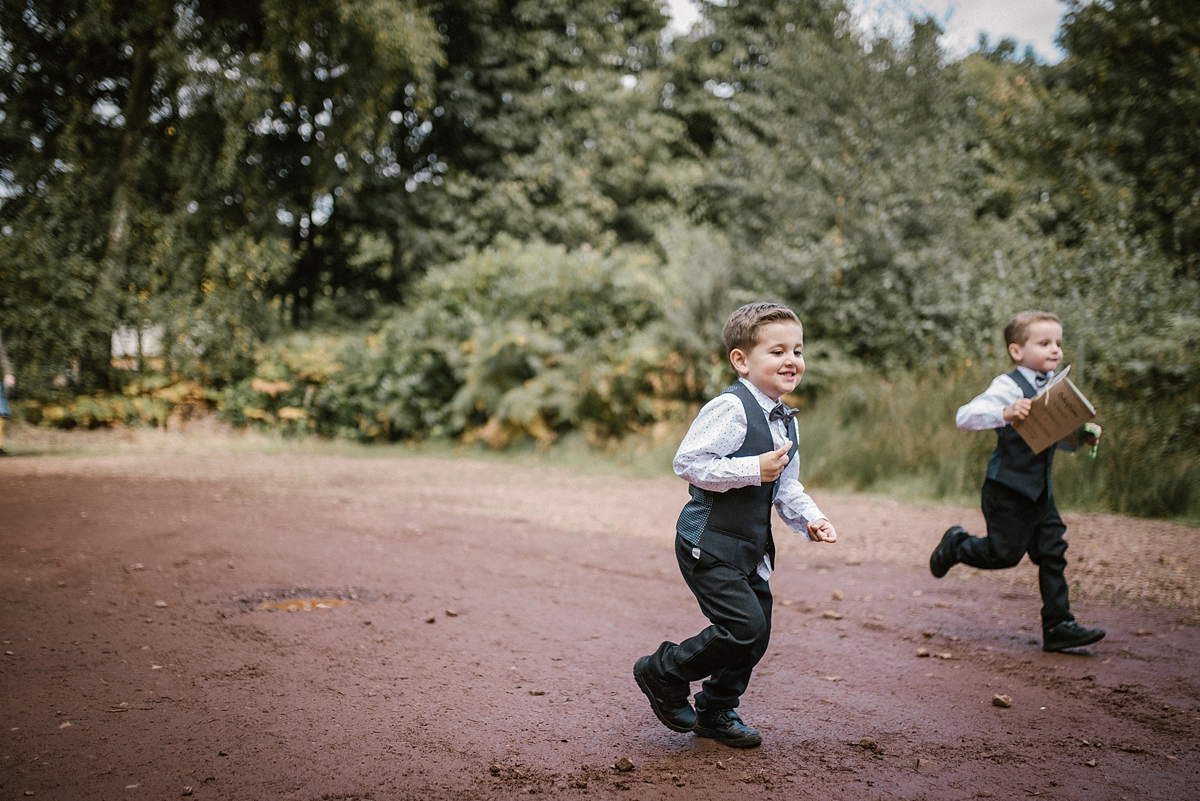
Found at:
<point>300,599</point>
<point>301,604</point>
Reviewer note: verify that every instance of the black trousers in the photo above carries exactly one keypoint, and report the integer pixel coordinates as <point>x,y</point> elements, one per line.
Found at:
<point>1017,526</point>
<point>738,608</point>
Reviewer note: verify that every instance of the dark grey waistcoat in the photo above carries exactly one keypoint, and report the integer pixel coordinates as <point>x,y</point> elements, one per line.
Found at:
<point>1013,463</point>
<point>735,526</point>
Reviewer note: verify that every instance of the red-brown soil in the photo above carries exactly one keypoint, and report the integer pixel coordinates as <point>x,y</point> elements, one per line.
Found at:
<point>484,619</point>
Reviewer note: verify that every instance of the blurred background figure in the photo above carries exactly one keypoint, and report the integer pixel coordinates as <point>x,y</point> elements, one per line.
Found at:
<point>9,382</point>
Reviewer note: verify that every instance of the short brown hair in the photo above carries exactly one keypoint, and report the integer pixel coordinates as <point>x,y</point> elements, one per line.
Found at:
<point>741,329</point>
<point>1017,330</point>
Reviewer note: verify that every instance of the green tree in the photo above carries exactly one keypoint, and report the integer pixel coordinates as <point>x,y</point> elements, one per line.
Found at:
<point>150,147</point>
<point>841,174</point>
<point>516,340</point>
<point>547,126</point>
<point>1044,174</point>
<point>1137,63</point>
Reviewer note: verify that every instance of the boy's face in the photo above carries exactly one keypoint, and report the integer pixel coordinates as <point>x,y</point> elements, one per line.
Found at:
<point>776,362</point>
<point>1042,350</point>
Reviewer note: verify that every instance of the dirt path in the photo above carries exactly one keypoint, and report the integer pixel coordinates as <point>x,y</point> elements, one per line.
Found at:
<point>484,622</point>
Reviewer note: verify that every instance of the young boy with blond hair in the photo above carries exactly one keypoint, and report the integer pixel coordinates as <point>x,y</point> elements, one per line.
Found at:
<point>740,458</point>
<point>1018,500</point>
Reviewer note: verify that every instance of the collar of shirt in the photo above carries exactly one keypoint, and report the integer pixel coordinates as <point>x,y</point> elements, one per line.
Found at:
<point>1031,375</point>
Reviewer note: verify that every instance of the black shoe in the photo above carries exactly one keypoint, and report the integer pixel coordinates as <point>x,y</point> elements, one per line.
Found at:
<point>1069,635</point>
<point>726,726</point>
<point>669,701</point>
<point>3,452</point>
<point>945,556</point>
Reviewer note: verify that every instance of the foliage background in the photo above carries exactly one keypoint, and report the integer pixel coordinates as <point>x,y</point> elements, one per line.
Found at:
<point>524,223</point>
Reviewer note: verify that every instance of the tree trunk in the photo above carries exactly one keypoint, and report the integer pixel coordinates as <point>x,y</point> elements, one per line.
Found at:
<point>112,290</point>
<point>135,113</point>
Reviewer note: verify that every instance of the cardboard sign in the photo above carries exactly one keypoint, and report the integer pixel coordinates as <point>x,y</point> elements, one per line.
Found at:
<point>1057,412</point>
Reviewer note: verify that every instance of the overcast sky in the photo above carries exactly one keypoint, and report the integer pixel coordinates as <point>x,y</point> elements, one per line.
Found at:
<point>1029,22</point>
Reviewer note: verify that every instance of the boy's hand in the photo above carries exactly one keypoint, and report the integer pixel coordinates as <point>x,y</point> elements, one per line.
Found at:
<point>1018,411</point>
<point>771,463</point>
<point>822,531</point>
<point>1091,436</point>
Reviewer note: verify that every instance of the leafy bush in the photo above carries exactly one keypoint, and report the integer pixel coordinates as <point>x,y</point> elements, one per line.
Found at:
<point>151,400</point>
<point>281,393</point>
<point>516,341</point>
<point>519,341</point>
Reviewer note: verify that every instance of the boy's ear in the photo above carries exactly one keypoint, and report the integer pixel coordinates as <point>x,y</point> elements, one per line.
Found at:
<point>738,359</point>
<point>1014,351</point>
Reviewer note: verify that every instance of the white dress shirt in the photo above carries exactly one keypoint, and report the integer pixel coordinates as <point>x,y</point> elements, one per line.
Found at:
<point>720,429</point>
<point>987,409</point>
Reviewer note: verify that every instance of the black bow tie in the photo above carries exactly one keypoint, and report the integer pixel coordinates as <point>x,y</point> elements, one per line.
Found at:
<point>782,412</point>
<point>1040,379</point>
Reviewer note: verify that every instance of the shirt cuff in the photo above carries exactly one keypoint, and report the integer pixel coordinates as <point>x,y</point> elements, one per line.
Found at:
<point>747,467</point>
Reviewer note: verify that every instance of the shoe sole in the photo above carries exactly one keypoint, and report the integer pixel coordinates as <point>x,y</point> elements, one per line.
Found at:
<point>732,742</point>
<point>1053,649</point>
<point>641,683</point>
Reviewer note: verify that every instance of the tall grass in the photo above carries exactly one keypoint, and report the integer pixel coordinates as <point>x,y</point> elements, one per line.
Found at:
<point>896,435</point>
